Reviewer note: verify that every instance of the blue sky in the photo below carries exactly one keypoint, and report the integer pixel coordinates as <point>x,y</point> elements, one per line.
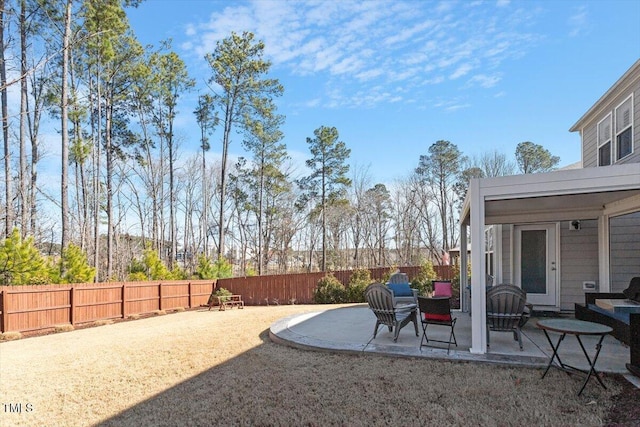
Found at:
<point>395,76</point>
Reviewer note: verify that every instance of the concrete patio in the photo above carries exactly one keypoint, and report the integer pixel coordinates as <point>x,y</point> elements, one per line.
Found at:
<point>350,329</point>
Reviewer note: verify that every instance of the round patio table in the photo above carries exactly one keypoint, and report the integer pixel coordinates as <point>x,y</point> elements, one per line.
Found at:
<point>577,328</point>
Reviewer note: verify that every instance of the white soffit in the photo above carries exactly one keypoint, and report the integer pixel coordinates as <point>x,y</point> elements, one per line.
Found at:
<point>559,195</point>
<point>552,208</point>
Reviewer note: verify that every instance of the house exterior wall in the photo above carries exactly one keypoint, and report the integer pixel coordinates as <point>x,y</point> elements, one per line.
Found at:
<point>578,257</point>
<point>578,261</point>
<point>589,130</point>
<point>624,241</point>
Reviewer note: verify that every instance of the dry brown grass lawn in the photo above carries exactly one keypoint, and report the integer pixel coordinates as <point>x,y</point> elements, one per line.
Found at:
<point>210,367</point>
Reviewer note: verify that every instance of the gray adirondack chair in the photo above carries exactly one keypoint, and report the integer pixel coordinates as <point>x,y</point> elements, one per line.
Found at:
<point>505,309</point>
<point>380,300</point>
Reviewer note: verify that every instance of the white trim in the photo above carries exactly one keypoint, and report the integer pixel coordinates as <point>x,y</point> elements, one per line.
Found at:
<point>464,262</point>
<point>552,231</point>
<point>623,207</point>
<point>512,260</point>
<point>478,289</point>
<point>616,133</point>
<point>558,267</point>
<point>497,253</point>
<point>608,140</point>
<point>603,254</point>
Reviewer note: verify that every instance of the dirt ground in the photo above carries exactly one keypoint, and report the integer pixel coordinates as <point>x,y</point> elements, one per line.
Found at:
<point>209,368</point>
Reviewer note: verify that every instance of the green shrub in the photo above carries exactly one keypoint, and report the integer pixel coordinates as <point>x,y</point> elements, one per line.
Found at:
<point>21,262</point>
<point>74,267</point>
<point>455,281</point>
<point>220,269</point>
<point>358,282</point>
<point>205,269</point>
<point>223,268</point>
<point>422,282</point>
<point>156,268</point>
<point>137,271</point>
<point>138,276</point>
<point>222,294</point>
<point>250,271</point>
<point>329,291</point>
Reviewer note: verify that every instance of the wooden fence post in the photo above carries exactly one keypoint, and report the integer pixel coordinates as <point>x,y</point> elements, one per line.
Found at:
<point>190,296</point>
<point>3,311</point>
<point>159,295</point>
<point>72,302</point>
<point>124,302</point>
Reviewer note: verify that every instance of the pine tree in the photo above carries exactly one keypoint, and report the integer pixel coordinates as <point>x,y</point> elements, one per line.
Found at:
<point>74,266</point>
<point>328,177</point>
<point>21,262</point>
<point>157,270</point>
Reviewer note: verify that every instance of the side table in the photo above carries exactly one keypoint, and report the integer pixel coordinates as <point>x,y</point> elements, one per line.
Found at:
<point>577,328</point>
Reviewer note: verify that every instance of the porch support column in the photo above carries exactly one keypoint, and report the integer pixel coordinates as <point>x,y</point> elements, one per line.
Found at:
<point>479,273</point>
<point>464,261</point>
<point>603,254</point>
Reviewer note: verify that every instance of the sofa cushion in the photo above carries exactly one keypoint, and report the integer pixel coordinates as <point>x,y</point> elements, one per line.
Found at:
<point>401,289</point>
<point>633,291</point>
<point>623,317</point>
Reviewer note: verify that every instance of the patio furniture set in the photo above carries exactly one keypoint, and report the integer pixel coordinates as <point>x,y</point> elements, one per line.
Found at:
<point>396,305</point>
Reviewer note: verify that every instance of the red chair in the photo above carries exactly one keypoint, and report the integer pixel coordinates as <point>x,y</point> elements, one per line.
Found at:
<point>436,311</point>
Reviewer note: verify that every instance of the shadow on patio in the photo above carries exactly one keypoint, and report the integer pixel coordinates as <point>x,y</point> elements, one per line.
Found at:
<point>350,329</point>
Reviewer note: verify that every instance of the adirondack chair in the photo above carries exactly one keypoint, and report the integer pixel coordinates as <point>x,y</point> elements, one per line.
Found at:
<point>380,300</point>
<point>505,309</point>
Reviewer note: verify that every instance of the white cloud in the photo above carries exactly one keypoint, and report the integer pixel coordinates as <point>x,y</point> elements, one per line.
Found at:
<point>486,81</point>
<point>451,105</point>
<point>462,70</point>
<point>579,22</point>
<point>377,42</point>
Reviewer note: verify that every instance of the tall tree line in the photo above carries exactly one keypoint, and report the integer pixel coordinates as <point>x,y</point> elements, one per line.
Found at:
<point>126,183</point>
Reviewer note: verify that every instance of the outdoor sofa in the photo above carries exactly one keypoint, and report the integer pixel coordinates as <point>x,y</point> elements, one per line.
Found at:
<point>626,326</point>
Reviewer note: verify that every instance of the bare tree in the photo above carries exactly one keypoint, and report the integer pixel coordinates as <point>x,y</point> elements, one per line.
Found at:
<point>9,210</point>
<point>64,102</point>
<point>207,120</point>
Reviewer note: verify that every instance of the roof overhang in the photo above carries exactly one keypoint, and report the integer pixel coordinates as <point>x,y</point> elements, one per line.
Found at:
<point>555,196</point>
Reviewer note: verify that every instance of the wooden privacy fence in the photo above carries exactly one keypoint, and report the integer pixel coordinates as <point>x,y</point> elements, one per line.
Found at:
<point>35,308</point>
<point>299,288</point>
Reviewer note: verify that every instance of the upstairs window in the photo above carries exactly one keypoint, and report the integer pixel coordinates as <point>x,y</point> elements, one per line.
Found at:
<point>604,141</point>
<point>624,128</point>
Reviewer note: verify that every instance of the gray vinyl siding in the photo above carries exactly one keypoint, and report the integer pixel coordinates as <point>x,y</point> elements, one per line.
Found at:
<point>624,241</point>
<point>589,144</point>
<point>578,261</point>
<point>589,131</point>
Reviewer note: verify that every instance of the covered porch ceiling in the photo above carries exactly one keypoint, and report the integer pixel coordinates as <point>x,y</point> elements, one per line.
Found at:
<point>555,196</point>
<point>565,207</point>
